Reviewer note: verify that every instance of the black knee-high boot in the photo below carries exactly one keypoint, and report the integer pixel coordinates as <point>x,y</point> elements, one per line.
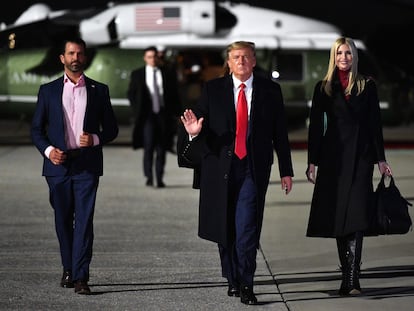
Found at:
<point>350,275</point>
<point>341,244</point>
<point>354,262</point>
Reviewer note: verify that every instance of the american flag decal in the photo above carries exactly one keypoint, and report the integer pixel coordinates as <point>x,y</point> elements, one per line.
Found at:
<point>157,18</point>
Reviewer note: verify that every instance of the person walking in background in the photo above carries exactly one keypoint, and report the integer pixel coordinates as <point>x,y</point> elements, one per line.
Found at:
<point>154,99</point>
<point>345,140</point>
<point>229,140</point>
<point>73,119</point>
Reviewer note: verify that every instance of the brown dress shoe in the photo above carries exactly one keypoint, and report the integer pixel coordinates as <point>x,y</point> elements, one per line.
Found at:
<point>66,280</point>
<point>82,288</point>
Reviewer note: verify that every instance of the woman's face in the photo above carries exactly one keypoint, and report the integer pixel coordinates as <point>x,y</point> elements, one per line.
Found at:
<point>343,58</point>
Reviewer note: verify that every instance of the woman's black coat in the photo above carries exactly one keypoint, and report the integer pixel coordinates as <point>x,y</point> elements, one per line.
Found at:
<point>345,155</point>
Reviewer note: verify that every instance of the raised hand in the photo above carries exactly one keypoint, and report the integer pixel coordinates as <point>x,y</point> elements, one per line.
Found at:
<point>191,123</point>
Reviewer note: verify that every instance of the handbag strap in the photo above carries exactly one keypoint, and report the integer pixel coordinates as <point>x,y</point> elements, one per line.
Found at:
<point>381,185</point>
<point>382,182</point>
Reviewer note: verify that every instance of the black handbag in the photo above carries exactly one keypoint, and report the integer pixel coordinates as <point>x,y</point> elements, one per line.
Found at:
<point>390,210</point>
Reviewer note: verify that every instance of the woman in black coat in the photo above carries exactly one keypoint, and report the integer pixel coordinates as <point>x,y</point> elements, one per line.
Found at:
<point>345,141</point>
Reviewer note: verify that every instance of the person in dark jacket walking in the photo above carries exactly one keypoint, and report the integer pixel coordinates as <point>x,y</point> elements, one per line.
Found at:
<point>154,99</point>
<point>345,140</point>
<point>233,178</point>
<point>72,123</point>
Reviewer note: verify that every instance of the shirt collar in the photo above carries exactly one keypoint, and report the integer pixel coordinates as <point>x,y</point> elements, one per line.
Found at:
<point>237,82</point>
<point>150,68</point>
<point>81,81</point>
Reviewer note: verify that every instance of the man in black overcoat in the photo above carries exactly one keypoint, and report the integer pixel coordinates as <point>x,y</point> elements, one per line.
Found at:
<point>233,188</point>
<point>154,99</point>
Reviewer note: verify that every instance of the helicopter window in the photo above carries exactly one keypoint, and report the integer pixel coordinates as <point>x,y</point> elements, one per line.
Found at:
<point>290,66</point>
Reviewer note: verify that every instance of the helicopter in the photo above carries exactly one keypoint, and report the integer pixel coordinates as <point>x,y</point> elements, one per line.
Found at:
<point>192,36</point>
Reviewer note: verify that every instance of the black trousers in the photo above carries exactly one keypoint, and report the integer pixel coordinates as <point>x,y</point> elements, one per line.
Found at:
<point>154,146</point>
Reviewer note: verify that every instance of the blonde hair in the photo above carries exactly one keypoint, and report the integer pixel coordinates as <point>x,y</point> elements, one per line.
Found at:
<point>354,77</point>
<point>237,45</point>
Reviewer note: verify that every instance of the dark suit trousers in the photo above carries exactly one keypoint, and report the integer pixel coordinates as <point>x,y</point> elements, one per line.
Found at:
<point>73,200</point>
<point>154,136</point>
<point>238,259</point>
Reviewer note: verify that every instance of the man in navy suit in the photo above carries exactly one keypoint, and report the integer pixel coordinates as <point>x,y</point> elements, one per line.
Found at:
<point>232,185</point>
<point>72,121</point>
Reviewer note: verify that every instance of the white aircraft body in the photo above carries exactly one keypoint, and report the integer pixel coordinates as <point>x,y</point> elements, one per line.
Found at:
<point>291,49</point>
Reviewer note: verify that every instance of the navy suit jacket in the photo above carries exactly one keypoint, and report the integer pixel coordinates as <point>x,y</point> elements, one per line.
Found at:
<point>48,127</point>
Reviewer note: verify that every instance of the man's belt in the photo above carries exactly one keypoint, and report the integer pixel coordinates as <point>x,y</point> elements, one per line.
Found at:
<point>73,153</point>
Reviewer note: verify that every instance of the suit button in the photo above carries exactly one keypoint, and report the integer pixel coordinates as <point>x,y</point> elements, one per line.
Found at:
<point>230,153</point>
<point>226,176</point>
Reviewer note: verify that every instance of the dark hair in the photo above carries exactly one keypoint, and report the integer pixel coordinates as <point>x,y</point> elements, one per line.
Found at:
<point>151,48</point>
<point>76,40</point>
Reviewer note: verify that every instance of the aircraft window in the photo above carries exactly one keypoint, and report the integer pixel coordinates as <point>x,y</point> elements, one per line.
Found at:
<point>263,63</point>
<point>290,66</point>
<point>224,19</point>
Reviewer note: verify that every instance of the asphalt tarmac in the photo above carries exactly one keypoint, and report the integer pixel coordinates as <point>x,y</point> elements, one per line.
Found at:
<point>147,255</point>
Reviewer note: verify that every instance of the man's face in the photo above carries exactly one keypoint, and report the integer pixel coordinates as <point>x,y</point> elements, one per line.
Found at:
<point>241,63</point>
<point>74,58</point>
<point>150,58</point>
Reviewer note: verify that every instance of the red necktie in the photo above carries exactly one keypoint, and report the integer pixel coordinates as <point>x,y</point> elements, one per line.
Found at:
<point>241,124</point>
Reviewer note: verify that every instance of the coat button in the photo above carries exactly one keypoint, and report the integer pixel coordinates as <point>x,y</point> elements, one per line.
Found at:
<point>226,176</point>
<point>229,153</point>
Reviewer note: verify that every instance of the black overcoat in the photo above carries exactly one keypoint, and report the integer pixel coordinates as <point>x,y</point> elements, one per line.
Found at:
<point>140,100</point>
<point>345,155</point>
<point>211,152</point>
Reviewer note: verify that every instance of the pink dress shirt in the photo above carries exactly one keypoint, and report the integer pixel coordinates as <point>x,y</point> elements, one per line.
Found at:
<point>74,99</point>
<point>74,106</point>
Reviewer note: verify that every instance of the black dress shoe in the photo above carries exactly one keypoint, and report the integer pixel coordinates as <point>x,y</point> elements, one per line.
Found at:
<point>149,182</point>
<point>233,291</point>
<point>82,288</point>
<point>247,295</point>
<point>160,184</point>
<point>66,280</point>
